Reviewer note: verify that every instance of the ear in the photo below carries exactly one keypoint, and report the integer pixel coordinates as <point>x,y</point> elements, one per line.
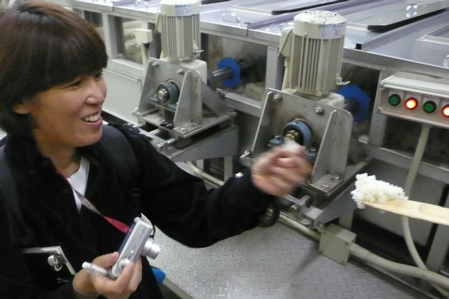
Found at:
<point>22,108</point>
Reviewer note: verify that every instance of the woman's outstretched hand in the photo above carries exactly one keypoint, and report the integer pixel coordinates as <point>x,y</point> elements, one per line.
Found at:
<point>280,171</point>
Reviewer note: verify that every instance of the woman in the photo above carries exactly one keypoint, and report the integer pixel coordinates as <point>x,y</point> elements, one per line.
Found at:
<point>52,92</point>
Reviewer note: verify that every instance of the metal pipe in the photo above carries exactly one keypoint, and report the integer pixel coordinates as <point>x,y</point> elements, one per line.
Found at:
<point>376,260</point>
<point>227,72</point>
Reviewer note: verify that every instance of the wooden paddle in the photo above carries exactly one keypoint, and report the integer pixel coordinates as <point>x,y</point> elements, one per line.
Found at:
<point>413,209</point>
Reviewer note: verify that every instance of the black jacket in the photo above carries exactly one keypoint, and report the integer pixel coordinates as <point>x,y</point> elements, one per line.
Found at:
<point>176,203</point>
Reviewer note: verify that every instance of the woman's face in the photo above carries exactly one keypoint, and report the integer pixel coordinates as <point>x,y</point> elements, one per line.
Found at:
<point>67,115</point>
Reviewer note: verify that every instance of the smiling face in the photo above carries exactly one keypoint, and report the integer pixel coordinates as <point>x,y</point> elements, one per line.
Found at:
<point>43,47</point>
<point>67,116</point>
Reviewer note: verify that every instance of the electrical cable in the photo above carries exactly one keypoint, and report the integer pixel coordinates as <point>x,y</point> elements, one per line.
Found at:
<point>201,173</point>
<point>376,260</point>
<point>407,190</point>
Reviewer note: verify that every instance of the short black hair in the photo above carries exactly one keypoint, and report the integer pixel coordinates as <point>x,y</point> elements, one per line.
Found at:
<point>42,45</point>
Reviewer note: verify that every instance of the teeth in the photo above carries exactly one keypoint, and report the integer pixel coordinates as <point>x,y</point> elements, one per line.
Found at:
<point>92,118</point>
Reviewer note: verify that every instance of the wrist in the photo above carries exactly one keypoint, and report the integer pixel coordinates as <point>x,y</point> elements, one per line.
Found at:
<point>271,215</point>
<point>83,287</point>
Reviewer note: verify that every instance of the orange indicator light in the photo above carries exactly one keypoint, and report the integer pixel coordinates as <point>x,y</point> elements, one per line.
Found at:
<point>445,111</point>
<point>411,103</point>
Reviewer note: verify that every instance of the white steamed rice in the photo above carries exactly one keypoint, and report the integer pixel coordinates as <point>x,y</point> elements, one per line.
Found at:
<point>368,189</point>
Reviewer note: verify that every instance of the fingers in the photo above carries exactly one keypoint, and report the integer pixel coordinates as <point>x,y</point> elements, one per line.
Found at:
<point>291,148</point>
<point>106,261</point>
<point>279,152</point>
<point>88,282</point>
<point>287,162</point>
<point>294,169</point>
<point>130,277</point>
<point>273,157</point>
<point>124,285</point>
<point>279,171</point>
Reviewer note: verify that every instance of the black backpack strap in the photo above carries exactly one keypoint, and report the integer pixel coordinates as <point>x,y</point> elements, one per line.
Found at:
<point>120,151</point>
<point>16,225</point>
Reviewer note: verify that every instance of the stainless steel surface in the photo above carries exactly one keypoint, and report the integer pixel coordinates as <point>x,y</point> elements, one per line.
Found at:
<point>394,13</point>
<point>277,262</point>
<point>279,7</point>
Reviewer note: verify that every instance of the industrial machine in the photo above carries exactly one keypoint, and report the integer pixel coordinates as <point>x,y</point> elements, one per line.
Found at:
<point>177,105</point>
<point>308,112</point>
<point>363,85</point>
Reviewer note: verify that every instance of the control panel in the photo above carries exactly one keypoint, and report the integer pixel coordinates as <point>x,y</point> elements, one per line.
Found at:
<point>415,97</point>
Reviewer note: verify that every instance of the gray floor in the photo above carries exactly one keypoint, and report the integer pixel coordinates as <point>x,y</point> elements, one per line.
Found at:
<point>276,262</point>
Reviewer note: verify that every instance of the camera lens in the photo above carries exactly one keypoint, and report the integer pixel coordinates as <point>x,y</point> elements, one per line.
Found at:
<point>150,249</point>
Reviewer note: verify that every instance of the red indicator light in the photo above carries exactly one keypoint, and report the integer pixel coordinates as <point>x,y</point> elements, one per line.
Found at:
<point>411,103</point>
<point>445,111</point>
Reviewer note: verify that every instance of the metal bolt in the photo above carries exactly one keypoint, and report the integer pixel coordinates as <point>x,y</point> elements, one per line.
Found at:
<point>318,110</point>
<point>336,177</point>
<point>294,209</point>
<point>325,187</point>
<point>155,64</point>
<point>277,98</point>
<point>180,72</point>
<point>162,94</point>
<point>446,61</point>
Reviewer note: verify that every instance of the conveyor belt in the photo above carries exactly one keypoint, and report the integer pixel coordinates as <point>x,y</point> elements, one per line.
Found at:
<point>275,262</point>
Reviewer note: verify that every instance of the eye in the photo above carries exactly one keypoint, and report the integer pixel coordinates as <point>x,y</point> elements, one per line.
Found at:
<point>73,83</point>
<point>98,75</point>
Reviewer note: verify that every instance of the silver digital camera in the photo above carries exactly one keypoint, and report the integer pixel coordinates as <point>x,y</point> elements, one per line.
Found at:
<point>138,241</point>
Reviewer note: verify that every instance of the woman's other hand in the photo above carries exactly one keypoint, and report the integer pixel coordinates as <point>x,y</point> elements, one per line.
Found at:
<point>121,288</point>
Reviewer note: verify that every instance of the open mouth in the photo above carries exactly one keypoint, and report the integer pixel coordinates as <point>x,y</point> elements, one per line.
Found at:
<point>92,118</point>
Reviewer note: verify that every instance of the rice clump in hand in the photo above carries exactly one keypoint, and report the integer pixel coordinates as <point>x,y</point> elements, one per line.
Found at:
<point>368,189</point>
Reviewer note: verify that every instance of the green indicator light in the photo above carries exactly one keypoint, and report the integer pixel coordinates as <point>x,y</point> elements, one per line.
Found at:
<point>394,100</point>
<point>429,107</point>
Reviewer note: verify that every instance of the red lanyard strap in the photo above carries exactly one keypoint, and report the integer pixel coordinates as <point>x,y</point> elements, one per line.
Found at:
<point>116,223</point>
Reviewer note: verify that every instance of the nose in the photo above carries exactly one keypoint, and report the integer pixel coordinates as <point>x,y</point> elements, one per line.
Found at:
<point>96,91</point>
